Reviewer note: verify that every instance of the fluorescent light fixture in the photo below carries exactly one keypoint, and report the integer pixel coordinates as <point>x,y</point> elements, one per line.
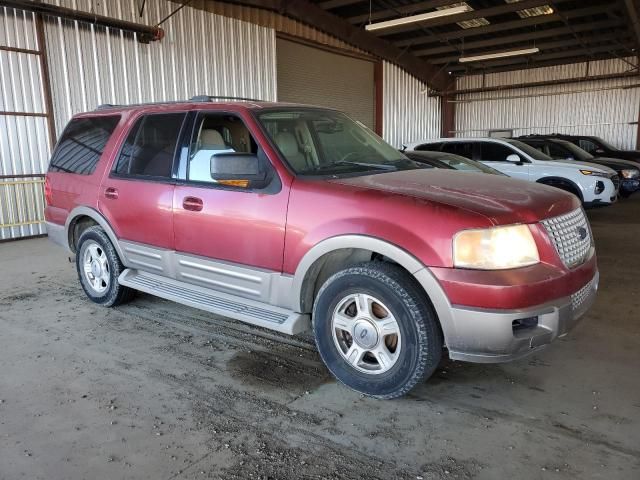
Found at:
<point>417,18</point>
<point>491,56</point>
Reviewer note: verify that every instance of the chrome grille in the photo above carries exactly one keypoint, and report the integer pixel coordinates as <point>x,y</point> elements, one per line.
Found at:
<point>571,235</point>
<point>578,298</point>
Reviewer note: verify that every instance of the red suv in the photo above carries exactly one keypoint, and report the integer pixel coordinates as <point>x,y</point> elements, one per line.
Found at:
<point>293,218</point>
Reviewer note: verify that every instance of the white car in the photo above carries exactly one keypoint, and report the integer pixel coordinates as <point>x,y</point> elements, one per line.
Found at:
<point>594,184</point>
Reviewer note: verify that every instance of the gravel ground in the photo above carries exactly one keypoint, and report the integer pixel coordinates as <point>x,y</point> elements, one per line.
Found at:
<point>155,390</point>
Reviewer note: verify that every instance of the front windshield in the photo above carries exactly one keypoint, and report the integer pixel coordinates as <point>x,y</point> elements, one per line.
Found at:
<point>325,142</point>
<point>529,150</point>
<point>464,164</point>
<point>576,152</point>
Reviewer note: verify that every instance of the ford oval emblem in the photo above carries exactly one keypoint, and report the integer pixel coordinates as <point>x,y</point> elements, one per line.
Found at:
<point>582,233</point>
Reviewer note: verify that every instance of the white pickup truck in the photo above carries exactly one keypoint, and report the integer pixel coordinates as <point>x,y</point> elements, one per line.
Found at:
<point>593,184</point>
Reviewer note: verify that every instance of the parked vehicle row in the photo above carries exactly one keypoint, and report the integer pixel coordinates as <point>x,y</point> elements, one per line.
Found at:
<point>298,218</point>
<point>550,161</point>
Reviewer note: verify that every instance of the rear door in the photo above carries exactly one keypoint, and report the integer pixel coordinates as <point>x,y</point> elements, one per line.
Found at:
<point>137,195</point>
<point>495,155</point>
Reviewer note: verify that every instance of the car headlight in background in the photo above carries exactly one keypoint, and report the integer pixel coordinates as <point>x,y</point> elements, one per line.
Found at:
<point>594,173</point>
<point>630,173</point>
<point>495,248</point>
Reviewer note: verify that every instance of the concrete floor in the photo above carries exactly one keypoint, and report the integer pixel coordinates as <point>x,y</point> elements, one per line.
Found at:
<point>155,390</point>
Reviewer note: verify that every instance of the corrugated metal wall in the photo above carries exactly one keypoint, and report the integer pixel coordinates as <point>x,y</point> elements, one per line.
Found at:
<point>591,108</point>
<point>24,139</point>
<point>202,53</point>
<point>409,114</point>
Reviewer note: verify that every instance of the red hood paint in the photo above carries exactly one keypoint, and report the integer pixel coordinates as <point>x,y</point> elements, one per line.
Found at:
<point>502,200</point>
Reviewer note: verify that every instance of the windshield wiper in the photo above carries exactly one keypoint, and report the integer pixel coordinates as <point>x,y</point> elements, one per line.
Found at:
<point>377,166</point>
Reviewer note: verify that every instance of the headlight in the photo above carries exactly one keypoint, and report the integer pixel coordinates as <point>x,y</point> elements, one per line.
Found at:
<point>631,173</point>
<point>594,173</point>
<point>495,248</point>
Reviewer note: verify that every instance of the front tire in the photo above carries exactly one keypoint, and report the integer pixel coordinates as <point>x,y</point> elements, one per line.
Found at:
<point>99,267</point>
<point>375,330</point>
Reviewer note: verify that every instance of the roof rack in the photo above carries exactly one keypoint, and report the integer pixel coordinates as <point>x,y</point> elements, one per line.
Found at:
<point>194,99</point>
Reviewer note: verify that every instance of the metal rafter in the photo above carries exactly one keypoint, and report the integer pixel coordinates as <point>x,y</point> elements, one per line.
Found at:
<point>632,10</point>
<point>511,25</point>
<point>522,37</point>
<point>472,15</point>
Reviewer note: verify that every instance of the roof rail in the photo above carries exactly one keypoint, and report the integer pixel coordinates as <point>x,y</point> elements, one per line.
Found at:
<point>194,99</point>
<point>213,98</point>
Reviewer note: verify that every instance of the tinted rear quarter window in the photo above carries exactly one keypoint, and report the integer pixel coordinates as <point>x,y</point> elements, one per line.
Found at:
<point>82,143</point>
<point>464,149</point>
<point>150,147</point>
<point>496,152</point>
<point>429,147</point>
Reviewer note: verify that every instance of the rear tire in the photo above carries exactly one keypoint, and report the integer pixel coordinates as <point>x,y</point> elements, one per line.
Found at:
<point>99,267</point>
<point>375,330</point>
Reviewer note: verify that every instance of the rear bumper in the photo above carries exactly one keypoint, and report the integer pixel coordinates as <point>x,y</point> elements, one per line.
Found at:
<point>57,234</point>
<point>489,336</point>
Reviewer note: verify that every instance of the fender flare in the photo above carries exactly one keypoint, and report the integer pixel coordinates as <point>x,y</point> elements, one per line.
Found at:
<point>564,180</point>
<point>417,269</point>
<point>83,211</point>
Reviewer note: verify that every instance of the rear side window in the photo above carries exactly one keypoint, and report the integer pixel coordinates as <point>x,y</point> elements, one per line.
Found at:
<point>464,149</point>
<point>429,147</point>
<point>82,144</point>
<point>495,152</point>
<point>151,146</point>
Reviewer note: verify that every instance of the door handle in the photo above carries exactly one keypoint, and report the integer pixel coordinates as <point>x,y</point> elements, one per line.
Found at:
<point>193,204</point>
<point>111,193</point>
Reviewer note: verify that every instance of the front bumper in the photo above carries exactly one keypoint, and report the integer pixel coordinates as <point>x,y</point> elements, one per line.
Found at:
<point>489,336</point>
<point>629,185</point>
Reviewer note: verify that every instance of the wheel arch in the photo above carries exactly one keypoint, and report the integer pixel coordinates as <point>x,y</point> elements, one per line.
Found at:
<point>336,253</point>
<point>89,216</point>
<point>570,184</point>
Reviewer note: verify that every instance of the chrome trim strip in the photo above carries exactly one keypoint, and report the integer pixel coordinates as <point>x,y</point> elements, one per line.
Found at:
<point>226,285</point>
<point>222,271</point>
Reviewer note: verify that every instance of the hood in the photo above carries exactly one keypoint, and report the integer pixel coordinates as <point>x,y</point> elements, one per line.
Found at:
<point>502,200</point>
<point>616,163</point>
<point>630,159</point>
<point>573,164</point>
<point>633,155</point>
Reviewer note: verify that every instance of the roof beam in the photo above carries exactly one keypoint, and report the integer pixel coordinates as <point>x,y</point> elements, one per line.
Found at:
<point>472,15</point>
<point>310,14</point>
<point>329,4</point>
<point>523,37</point>
<point>542,46</point>
<point>545,59</point>
<point>633,17</point>
<point>512,25</point>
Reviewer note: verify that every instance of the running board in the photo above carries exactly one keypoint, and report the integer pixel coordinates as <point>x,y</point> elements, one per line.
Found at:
<point>243,309</point>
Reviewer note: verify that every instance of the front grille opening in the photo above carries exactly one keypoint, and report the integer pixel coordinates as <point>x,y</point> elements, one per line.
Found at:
<point>524,324</point>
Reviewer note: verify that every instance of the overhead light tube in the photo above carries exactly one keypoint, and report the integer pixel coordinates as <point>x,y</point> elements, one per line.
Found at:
<point>417,18</point>
<point>492,56</point>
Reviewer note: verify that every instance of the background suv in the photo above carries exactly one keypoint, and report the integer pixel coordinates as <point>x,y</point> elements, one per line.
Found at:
<point>598,147</point>
<point>294,218</point>
<point>592,184</point>
<point>628,172</point>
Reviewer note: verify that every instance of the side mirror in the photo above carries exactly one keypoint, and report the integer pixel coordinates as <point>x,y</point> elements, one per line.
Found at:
<point>513,158</point>
<point>245,170</point>
<point>569,158</point>
<point>599,151</point>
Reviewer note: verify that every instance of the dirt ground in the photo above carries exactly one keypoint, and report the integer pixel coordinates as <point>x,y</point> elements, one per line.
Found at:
<point>155,390</point>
